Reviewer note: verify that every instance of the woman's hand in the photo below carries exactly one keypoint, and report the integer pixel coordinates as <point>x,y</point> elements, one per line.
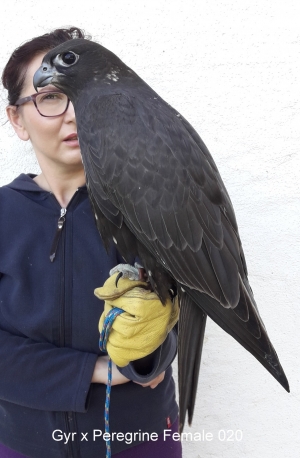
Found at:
<point>100,374</point>
<point>156,381</point>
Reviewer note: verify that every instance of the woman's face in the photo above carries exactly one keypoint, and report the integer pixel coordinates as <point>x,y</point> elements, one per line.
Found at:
<point>54,140</point>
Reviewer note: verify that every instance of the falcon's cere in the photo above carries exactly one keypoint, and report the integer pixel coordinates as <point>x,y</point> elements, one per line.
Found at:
<point>157,194</point>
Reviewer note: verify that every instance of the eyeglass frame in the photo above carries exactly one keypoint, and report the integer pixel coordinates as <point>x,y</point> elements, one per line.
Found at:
<point>32,98</point>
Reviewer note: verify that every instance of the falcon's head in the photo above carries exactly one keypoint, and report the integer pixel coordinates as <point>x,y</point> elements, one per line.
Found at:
<point>75,63</point>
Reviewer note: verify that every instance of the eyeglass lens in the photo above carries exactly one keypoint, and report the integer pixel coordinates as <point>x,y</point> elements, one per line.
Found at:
<point>51,103</point>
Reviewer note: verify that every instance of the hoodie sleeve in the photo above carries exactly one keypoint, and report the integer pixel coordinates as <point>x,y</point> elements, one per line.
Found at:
<point>146,369</point>
<point>43,376</point>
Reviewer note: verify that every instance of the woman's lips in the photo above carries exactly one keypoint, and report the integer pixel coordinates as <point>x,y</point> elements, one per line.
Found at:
<point>71,140</point>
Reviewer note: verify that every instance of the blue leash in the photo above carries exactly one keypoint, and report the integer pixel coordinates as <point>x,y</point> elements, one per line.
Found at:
<point>108,321</point>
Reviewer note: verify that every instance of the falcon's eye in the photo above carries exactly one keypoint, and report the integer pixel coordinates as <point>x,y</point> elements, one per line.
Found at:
<point>69,58</point>
<point>66,59</point>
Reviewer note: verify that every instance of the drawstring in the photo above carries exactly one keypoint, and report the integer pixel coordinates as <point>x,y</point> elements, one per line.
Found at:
<point>108,321</point>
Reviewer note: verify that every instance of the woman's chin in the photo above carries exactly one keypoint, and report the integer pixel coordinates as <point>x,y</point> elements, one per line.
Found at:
<point>73,161</point>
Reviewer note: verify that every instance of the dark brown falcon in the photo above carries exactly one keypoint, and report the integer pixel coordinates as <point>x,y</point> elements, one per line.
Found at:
<point>157,193</point>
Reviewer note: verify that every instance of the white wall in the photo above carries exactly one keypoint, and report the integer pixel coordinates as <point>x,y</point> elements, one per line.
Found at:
<point>231,67</point>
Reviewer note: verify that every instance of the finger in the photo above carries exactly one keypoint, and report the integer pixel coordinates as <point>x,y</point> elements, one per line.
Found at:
<point>157,380</point>
<point>153,384</point>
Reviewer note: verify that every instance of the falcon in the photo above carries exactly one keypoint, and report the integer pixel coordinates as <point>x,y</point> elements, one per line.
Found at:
<point>157,194</point>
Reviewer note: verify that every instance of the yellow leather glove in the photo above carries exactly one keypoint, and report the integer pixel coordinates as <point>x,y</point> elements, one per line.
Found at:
<point>144,325</point>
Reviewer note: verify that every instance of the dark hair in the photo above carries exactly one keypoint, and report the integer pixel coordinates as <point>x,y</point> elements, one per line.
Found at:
<point>14,73</point>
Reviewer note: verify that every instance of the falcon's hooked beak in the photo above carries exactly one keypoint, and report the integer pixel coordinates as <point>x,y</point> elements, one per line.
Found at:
<point>44,75</point>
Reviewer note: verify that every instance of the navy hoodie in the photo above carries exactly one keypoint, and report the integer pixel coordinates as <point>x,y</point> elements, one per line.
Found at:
<point>49,334</point>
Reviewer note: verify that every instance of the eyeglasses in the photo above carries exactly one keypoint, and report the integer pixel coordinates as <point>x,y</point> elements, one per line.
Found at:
<point>47,103</point>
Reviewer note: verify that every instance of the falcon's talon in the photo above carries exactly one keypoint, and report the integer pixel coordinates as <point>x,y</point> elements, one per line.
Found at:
<point>142,274</point>
<point>120,274</point>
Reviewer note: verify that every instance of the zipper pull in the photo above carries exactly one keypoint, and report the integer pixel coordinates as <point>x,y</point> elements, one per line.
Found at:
<point>60,225</point>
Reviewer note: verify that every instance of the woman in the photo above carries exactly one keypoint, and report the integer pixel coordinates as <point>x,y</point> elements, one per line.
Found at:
<point>53,375</point>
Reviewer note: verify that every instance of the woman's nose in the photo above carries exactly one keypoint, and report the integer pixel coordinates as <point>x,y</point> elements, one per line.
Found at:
<point>70,113</point>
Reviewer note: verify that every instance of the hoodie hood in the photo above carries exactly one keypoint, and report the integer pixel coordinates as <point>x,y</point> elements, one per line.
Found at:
<point>25,182</point>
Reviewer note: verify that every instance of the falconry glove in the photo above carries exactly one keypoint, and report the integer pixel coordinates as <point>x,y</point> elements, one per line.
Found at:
<point>144,325</point>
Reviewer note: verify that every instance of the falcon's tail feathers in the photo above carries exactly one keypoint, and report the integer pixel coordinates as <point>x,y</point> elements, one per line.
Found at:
<point>249,332</point>
<point>190,342</point>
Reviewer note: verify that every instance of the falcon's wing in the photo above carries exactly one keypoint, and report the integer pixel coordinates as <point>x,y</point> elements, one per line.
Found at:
<point>145,167</point>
